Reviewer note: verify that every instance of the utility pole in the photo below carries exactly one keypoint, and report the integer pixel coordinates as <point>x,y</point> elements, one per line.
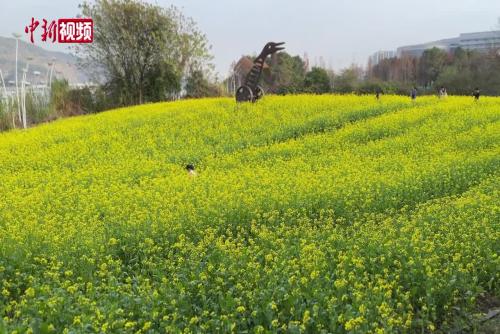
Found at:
<point>52,71</point>
<point>48,75</point>
<point>23,85</point>
<point>6,97</point>
<point>17,36</point>
<point>3,84</point>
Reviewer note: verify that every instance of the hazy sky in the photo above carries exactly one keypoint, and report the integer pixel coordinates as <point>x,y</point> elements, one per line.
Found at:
<point>341,31</point>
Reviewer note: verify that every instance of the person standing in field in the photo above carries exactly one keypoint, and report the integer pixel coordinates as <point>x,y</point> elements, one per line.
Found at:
<point>443,93</point>
<point>413,93</point>
<point>476,94</point>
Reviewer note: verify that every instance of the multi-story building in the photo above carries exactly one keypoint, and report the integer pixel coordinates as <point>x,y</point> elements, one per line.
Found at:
<point>378,56</point>
<point>480,41</point>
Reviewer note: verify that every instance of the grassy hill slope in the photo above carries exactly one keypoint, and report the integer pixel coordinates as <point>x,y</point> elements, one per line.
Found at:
<point>308,214</point>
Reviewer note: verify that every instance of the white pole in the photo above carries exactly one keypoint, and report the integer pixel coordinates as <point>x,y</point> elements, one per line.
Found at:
<point>3,84</point>
<point>7,100</point>
<point>17,36</point>
<point>23,84</point>
<point>48,74</point>
<point>50,77</point>
<point>23,98</point>
<point>52,71</point>
<point>22,101</point>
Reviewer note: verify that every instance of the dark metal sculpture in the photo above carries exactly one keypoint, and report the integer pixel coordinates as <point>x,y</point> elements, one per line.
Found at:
<point>251,91</point>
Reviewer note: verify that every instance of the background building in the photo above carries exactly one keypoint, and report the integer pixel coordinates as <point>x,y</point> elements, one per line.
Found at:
<point>378,56</point>
<point>479,41</point>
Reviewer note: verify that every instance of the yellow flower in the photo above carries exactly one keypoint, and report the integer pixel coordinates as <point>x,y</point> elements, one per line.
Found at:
<point>130,324</point>
<point>306,317</point>
<point>354,323</point>
<point>77,320</point>
<point>30,292</point>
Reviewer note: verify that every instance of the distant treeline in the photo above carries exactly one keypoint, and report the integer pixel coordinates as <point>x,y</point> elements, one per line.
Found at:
<point>460,72</point>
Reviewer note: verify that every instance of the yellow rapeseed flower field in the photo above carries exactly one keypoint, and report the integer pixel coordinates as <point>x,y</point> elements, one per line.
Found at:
<point>313,214</point>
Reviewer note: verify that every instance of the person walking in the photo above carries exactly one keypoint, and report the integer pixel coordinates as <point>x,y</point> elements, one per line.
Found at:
<point>413,94</point>
<point>476,94</point>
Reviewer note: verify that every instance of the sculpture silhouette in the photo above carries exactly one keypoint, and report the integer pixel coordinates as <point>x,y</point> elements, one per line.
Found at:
<point>251,91</point>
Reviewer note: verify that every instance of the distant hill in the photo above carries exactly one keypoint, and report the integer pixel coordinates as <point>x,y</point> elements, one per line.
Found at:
<point>65,63</point>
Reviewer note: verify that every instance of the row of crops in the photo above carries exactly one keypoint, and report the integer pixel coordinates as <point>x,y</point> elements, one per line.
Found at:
<point>308,214</point>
